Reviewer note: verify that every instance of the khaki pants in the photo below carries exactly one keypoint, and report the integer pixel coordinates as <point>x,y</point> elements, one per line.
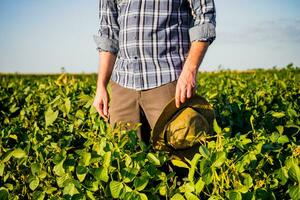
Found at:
<point>130,106</point>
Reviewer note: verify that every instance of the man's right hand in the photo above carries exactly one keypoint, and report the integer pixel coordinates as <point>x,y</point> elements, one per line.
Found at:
<point>106,64</point>
<point>101,101</point>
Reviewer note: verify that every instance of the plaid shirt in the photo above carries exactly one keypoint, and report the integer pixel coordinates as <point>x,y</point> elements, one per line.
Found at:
<point>152,37</point>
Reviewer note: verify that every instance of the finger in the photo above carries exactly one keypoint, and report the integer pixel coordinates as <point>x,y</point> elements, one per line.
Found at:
<point>177,96</point>
<point>189,91</point>
<point>101,109</point>
<point>98,109</point>
<point>105,107</point>
<point>182,95</point>
<point>95,104</point>
<point>194,83</point>
<point>194,89</point>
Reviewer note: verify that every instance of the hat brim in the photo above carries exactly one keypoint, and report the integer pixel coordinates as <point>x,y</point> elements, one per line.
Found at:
<point>197,102</point>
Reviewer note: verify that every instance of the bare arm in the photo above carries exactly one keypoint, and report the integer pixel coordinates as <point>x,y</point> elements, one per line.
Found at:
<point>196,55</point>
<point>106,65</point>
<point>108,47</point>
<point>202,34</point>
<point>186,84</point>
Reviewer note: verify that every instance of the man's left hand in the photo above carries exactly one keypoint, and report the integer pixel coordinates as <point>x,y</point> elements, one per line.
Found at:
<point>186,84</point>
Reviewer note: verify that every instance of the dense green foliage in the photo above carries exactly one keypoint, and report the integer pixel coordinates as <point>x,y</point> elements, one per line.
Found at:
<point>54,145</point>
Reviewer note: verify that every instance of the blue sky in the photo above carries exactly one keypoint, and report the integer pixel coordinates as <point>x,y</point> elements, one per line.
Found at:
<point>43,36</point>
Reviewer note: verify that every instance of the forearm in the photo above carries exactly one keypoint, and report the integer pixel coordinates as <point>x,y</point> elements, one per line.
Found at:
<point>106,65</point>
<point>196,54</point>
<point>202,32</point>
<point>107,41</point>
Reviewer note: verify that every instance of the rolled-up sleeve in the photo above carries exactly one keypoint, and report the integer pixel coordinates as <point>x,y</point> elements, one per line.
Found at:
<point>203,26</point>
<point>108,33</point>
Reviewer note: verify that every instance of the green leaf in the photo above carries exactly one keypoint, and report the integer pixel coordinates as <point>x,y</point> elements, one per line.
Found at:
<point>128,174</point>
<point>70,189</point>
<point>50,116</point>
<point>233,195</point>
<point>278,114</point>
<point>220,159</point>
<point>38,195</point>
<point>153,159</point>
<point>163,190</point>
<point>101,174</point>
<point>190,196</point>
<point>216,127</point>
<point>194,163</point>
<point>128,160</point>
<point>13,136</point>
<point>294,173</point>
<point>107,159</point>
<point>2,166</point>
<point>35,168</point>
<point>4,195</point>
<point>283,139</point>
<point>90,195</point>
<point>63,179</point>
<point>247,180</point>
<point>262,193</point>
<point>239,187</point>
<point>177,196</point>
<point>207,176</point>
<point>19,153</point>
<point>81,172</point>
<point>115,188</point>
<point>59,169</point>
<point>179,163</point>
<point>80,114</point>
<point>67,105</point>
<point>34,183</point>
<point>143,196</point>
<point>199,186</point>
<point>204,151</point>
<point>294,192</point>
<point>85,158</point>
<point>7,156</point>
<point>42,174</point>
<point>126,188</point>
<point>282,174</point>
<point>252,122</point>
<point>140,183</point>
<point>50,189</point>
<point>280,129</point>
<point>93,185</point>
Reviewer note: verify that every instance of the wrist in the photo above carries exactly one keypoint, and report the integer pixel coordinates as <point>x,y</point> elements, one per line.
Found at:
<point>101,85</point>
<point>196,55</point>
<point>190,66</point>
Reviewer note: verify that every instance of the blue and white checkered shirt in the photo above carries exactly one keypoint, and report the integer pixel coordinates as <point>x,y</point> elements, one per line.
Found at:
<point>152,37</point>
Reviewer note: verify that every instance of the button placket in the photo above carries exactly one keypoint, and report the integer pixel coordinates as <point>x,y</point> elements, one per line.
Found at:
<point>135,38</point>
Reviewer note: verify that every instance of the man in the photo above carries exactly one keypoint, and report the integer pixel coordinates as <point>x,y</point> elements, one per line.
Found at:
<point>150,51</point>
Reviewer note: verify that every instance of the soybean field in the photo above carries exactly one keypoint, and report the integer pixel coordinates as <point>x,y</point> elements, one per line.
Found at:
<point>54,145</point>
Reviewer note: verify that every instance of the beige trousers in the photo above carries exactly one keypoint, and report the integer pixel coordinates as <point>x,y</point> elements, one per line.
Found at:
<point>131,106</point>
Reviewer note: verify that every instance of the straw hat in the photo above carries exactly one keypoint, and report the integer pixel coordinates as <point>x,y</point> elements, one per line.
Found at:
<point>177,130</point>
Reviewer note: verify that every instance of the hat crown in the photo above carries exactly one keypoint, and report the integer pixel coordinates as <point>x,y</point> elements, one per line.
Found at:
<point>170,112</point>
<point>185,127</point>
